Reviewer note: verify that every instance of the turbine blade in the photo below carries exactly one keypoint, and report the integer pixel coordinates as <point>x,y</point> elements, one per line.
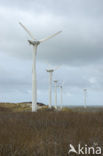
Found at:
<point>57,67</point>
<point>62,82</point>
<point>49,66</point>
<point>49,37</point>
<point>29,33</point>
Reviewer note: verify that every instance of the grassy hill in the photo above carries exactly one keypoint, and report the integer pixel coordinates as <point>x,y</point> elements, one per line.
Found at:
<point>19,107</point>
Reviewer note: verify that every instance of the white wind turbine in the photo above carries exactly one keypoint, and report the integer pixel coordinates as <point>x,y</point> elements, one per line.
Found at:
<point>61,94</point>
<point>55,81</point>
<point>35,44</point>
<point>85,97</point>
<point>50,71</point>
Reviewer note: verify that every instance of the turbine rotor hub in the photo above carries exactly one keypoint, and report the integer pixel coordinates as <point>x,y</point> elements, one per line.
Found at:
<point>49,70</point>
<point>34,42</point>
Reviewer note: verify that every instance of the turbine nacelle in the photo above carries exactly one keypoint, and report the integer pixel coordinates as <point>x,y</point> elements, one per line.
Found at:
<point>34,43</point>
<point>55,81</point>
<point>50,70</point>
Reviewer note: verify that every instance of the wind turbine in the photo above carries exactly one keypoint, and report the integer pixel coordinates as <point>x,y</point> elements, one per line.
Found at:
<point>35,44</point>
<point>55,81</point>
<point>50,71</point>
<point>61,94</point>
<point>85,97</point>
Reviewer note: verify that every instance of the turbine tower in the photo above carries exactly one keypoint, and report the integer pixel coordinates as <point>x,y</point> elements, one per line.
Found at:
<point>61,95</point>
<point>61,90</point>
<point>85,97</point>
<point>35,44</point>
<point>55,93</point>
<point>50,71</point>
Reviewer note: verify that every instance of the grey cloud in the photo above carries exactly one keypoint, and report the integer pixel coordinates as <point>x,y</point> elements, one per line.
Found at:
<point>79,48</point>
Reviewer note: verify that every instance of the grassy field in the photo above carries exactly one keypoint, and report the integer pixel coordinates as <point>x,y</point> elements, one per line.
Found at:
<point>47,133</point>
<point>18,107</point>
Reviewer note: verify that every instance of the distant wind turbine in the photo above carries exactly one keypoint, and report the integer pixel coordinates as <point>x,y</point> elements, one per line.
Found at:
<point>85,97</point>
<point>50,71</point>
<point>61,94</point>
<point>56,93</point>
<point>35,44</point>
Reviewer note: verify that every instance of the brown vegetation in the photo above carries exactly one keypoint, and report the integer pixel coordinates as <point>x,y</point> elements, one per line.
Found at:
<point>20,107</point>
<point>47,133</point>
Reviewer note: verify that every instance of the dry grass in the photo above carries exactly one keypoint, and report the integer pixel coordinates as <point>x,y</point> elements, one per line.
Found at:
<point>20,107</point>
<point>14,107</point>
<point>47,133</point>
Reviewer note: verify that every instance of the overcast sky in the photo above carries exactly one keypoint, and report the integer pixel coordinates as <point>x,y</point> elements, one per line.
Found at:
<point>78,49</point>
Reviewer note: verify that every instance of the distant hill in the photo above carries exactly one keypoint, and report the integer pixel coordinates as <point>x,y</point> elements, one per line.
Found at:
<point>38,103</point>
<point>19,107</point>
